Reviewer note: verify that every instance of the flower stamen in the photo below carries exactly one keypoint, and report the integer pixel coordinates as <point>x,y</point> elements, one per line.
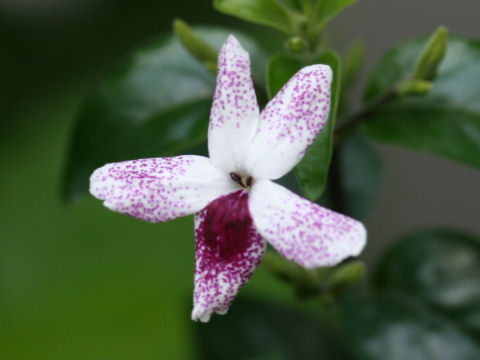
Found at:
<point>242,180</point>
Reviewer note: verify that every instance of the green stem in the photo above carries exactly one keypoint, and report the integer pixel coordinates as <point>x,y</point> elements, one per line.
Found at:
<point>310,33</point>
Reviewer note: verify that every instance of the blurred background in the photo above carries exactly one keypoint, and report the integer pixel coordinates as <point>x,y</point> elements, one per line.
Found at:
<point>83,283</point>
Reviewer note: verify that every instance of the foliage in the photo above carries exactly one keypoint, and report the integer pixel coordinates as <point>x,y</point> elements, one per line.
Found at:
<point>425,303</point>
<point>424,94</point>
<point>155,104</point>
<point>446,120</point>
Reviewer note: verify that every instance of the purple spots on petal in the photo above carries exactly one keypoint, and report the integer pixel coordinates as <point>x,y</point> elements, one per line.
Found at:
<point>292,119</point>
<point>228,250</point>
<point>234,89</point>
<point>159,189</point>
<point>301,230</point>
<point>234,115</point>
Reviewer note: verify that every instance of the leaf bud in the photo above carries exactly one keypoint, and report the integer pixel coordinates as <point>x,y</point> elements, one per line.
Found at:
<point>346,274</point>
<point>432,55</point>
<point>414,87</point>
<point>296,44</point>
<point>196,46</point>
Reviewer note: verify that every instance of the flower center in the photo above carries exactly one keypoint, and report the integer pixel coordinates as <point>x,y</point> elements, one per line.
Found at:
<point>244,181</point>
<point>226,230</point>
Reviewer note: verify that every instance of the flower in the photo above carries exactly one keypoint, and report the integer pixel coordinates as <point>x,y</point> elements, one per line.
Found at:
<point>238,209</point>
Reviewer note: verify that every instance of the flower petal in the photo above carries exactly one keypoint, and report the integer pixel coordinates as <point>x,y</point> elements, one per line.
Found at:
<point>228,250</point>
<point>160,189</point>
<point>234,116</point>
<point>301,230</point>
<point>290,122</point>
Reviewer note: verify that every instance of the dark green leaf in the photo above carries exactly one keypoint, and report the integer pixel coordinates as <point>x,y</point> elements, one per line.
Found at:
<point>258,330</point>
<point>380,328</point>
<point>442,269</point>
<point>266,12</point>
<point>360,170</point>
<point>446,121</point>
<point>280,69</point>
<point>326,10</point>
<point>294,4</point>
<point>312,171</point>
<point>156,104</point>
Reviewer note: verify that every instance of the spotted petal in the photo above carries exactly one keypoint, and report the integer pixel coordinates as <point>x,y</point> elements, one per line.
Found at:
<point>160,189</point>
<point>302,231</point>
<point>228,250</point>
<point>234,116</point>
<point>290,122</point>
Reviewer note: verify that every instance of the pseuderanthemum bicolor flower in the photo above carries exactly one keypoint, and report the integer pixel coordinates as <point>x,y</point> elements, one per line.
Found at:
<point>238,209</point>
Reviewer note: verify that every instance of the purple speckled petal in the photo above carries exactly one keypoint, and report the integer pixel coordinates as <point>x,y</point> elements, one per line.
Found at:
<point>235,115</point>
<point>160,189</point>
<point>228,250</point>
<point>290,122</point>
<point>301,230</point>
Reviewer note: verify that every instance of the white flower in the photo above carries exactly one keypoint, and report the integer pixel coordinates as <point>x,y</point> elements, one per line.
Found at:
<point>236,205</point>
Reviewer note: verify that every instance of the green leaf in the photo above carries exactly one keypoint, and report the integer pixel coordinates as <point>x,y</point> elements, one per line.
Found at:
<point>360,170</point>
<point>446,121</point>
<point>385,327</point>
<point>442,269</point>
<point>155,104</point>
<point>266,12</point>
<point>326,10</point>
<point>256,329</point>
<point>312,171</point>
<point>426,304</point>
<point>294,4</point>
<point>280,69</point>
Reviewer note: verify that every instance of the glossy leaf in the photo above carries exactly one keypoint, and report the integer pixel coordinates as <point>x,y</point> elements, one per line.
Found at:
<point>266,12</point>
<point>312,171</point>
<point>380,327</point>
<point>280,69</point>
<point>442,269</point>
<point>326,10</point>
<point>155,104</point>
<point>256,329</point>
<point>426,301</point>
<point>446,121</point>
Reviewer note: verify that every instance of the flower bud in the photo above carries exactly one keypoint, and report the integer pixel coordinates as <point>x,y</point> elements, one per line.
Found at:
<point>431,55</point>
<point>414,87</point>
<point>195,45</point>
<point>346,275</point>
<point>296,44</point>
